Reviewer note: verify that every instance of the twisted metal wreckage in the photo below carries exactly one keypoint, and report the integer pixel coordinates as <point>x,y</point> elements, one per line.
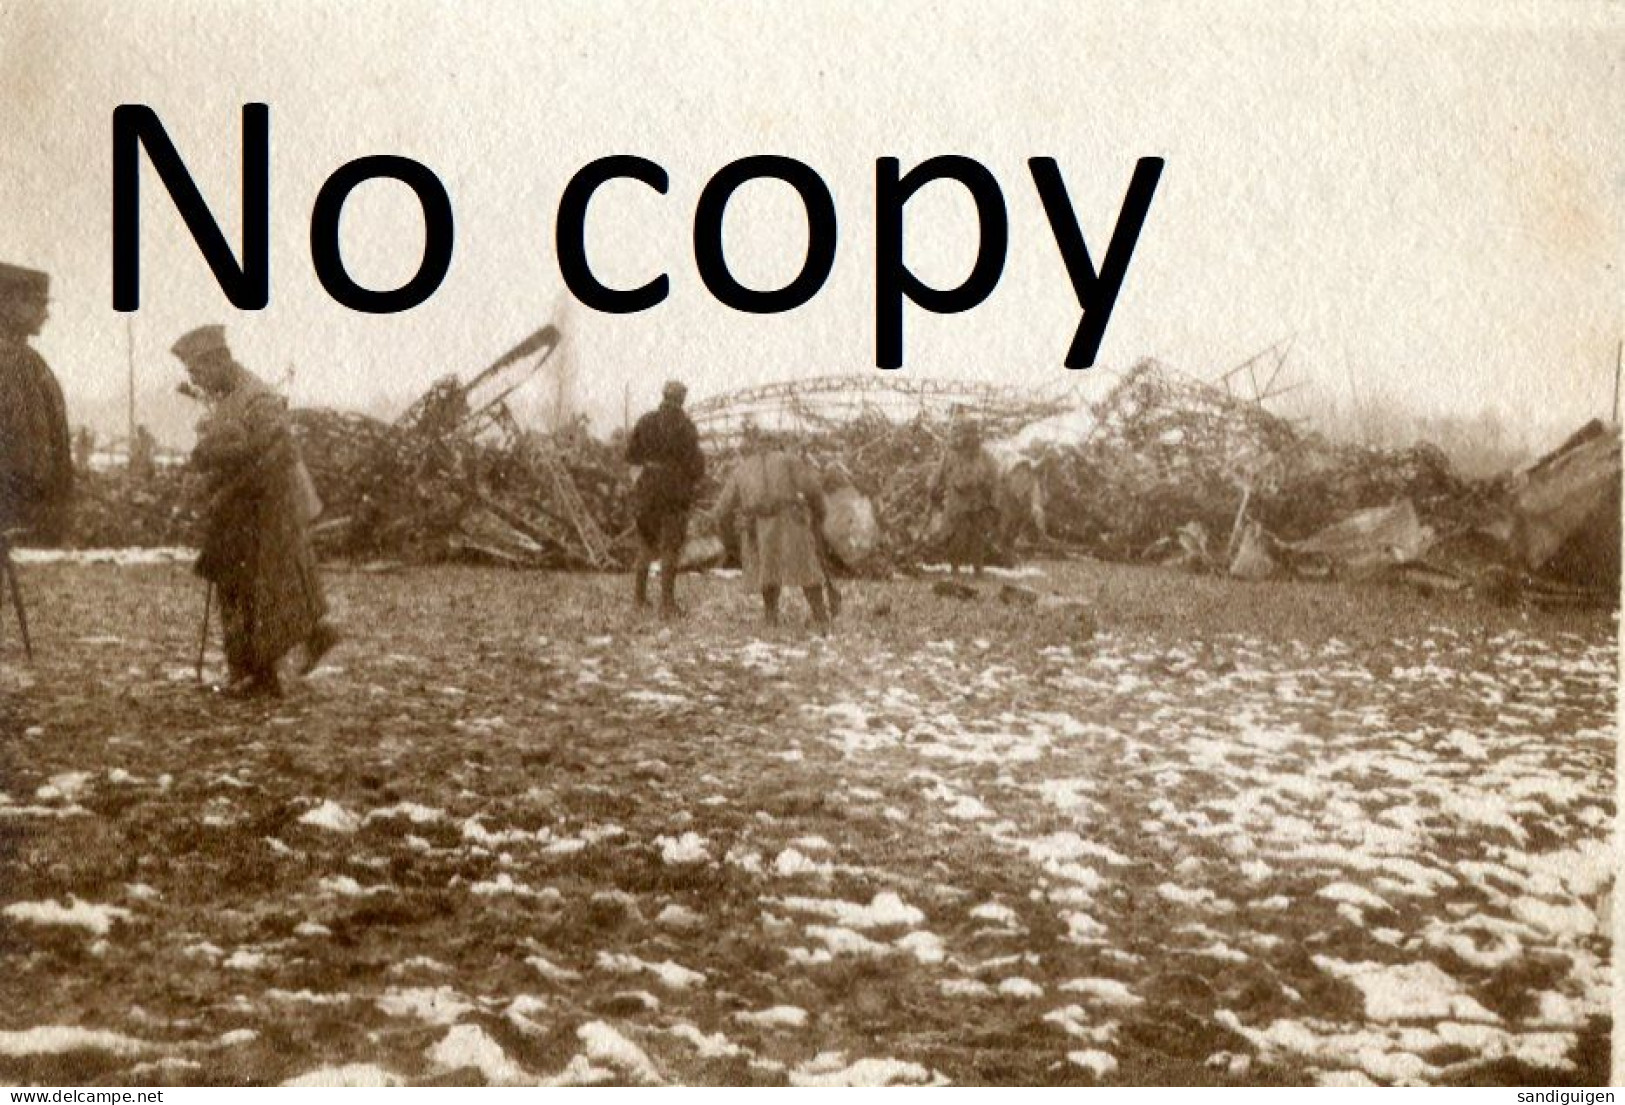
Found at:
<point>1161,467</point>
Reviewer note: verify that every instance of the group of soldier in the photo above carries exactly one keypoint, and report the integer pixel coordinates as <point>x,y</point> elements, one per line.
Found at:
<point>772,508</point>
<point>255,547</point>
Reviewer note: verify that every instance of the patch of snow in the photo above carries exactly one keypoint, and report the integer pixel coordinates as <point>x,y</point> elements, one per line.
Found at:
<point>66,786</point>
<point>864,1072</point>
<point>1105,991</point>
<point>58,1039</point>
<point>714,1046</point>
<point>439,1006</point>
<point>605,1044</point>
<point>670,974</point>
<point>778,1016</point>
<point>343,886</point>
<point>86,915</point>
<point>474,831</point>
<point>306,997</point>
<point>332,817</point>
<point>1352,895</point>
<point>1081,928</point>
<point>353,1075</point>
<point>993,911</point>
<point>1566,921</point>
<point>122,558</point>
<point>504,883</point>
<point>1097,1063</point>
<point>550,970</point>
<point>656,699</point>
<point>686,849</point>
<point>675,916</point>
<point>1195,896</point>
<point>844,941</point>
<point>1496,950</point>
<point>923,946</point>
<point>1017,987</point>
<point>416,814</point>
<point>521,1009</point>
<point>467,1045</point>
<point>1408,991</point>
<point>884,909</point>
<point>791,862</point>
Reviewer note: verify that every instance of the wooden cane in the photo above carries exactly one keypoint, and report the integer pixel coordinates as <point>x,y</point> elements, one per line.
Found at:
<point>9,570</point>
<point>203,637</point>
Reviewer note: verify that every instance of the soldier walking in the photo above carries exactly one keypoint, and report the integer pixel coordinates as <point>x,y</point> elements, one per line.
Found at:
<point>665,447</point>
<point>256,542</point>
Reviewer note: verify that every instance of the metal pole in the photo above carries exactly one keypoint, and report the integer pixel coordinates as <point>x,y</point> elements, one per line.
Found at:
<point>129,348</point>
<point>203,637</point>
<point>8,572</point>
<point>1619,356</point>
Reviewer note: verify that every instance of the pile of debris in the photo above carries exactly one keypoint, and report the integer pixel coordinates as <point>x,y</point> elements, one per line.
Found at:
<point>115,509</point>
<point>1164,451</point>
<point>1163,468</point>
<point>457,476</point>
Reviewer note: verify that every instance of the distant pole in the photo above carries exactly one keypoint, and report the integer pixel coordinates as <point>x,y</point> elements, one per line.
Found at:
<point>626,407</point>
<point>1619,357</point>
<point>129,350</point>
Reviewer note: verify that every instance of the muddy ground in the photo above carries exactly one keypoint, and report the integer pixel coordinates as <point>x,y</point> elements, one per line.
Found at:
<point>514,832</point>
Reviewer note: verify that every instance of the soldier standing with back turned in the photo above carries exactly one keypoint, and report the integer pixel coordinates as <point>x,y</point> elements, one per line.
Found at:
<point>666,447</point>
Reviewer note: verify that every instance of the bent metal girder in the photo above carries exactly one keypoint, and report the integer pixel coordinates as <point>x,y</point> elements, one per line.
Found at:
<point>481,403</point>
<point>820,402</point>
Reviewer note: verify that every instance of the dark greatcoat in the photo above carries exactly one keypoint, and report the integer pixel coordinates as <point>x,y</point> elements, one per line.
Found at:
<point>36,458</point>
<point>667,447</point>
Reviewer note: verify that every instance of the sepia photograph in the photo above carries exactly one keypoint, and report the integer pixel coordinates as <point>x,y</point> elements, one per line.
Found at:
<point>814,544</point>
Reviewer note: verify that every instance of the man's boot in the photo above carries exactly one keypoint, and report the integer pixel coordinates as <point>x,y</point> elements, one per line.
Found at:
<point>820,615</point>
<point>668,590</point>
<point>317,645</point>
<point>640,584</point>
<point>770,606</point>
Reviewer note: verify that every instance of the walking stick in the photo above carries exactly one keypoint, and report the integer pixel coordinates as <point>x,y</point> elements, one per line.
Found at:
<point>203,637</point>
<point>8,571</point>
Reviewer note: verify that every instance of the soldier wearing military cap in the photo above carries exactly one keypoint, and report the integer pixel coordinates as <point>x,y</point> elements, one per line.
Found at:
<point>666,447</point>
<point>36,456</point>
<point>256,542</point>
<point>966,484</point>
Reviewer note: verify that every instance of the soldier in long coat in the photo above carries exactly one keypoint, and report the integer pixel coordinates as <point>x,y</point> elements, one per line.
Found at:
<point>665,446</point>
<point>774,501</point>
<point>256,542</point>
<point>967,484</point>
<point>36,455</point>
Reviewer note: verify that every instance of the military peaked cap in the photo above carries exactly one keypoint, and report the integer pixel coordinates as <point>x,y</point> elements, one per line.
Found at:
<point>15,278</point>
<point>200,342</point>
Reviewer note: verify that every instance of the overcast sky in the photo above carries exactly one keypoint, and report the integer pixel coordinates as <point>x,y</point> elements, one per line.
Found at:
<point>1430,203</point>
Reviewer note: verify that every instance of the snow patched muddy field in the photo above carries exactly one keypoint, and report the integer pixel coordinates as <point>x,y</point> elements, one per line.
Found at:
<point>514,833</point>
